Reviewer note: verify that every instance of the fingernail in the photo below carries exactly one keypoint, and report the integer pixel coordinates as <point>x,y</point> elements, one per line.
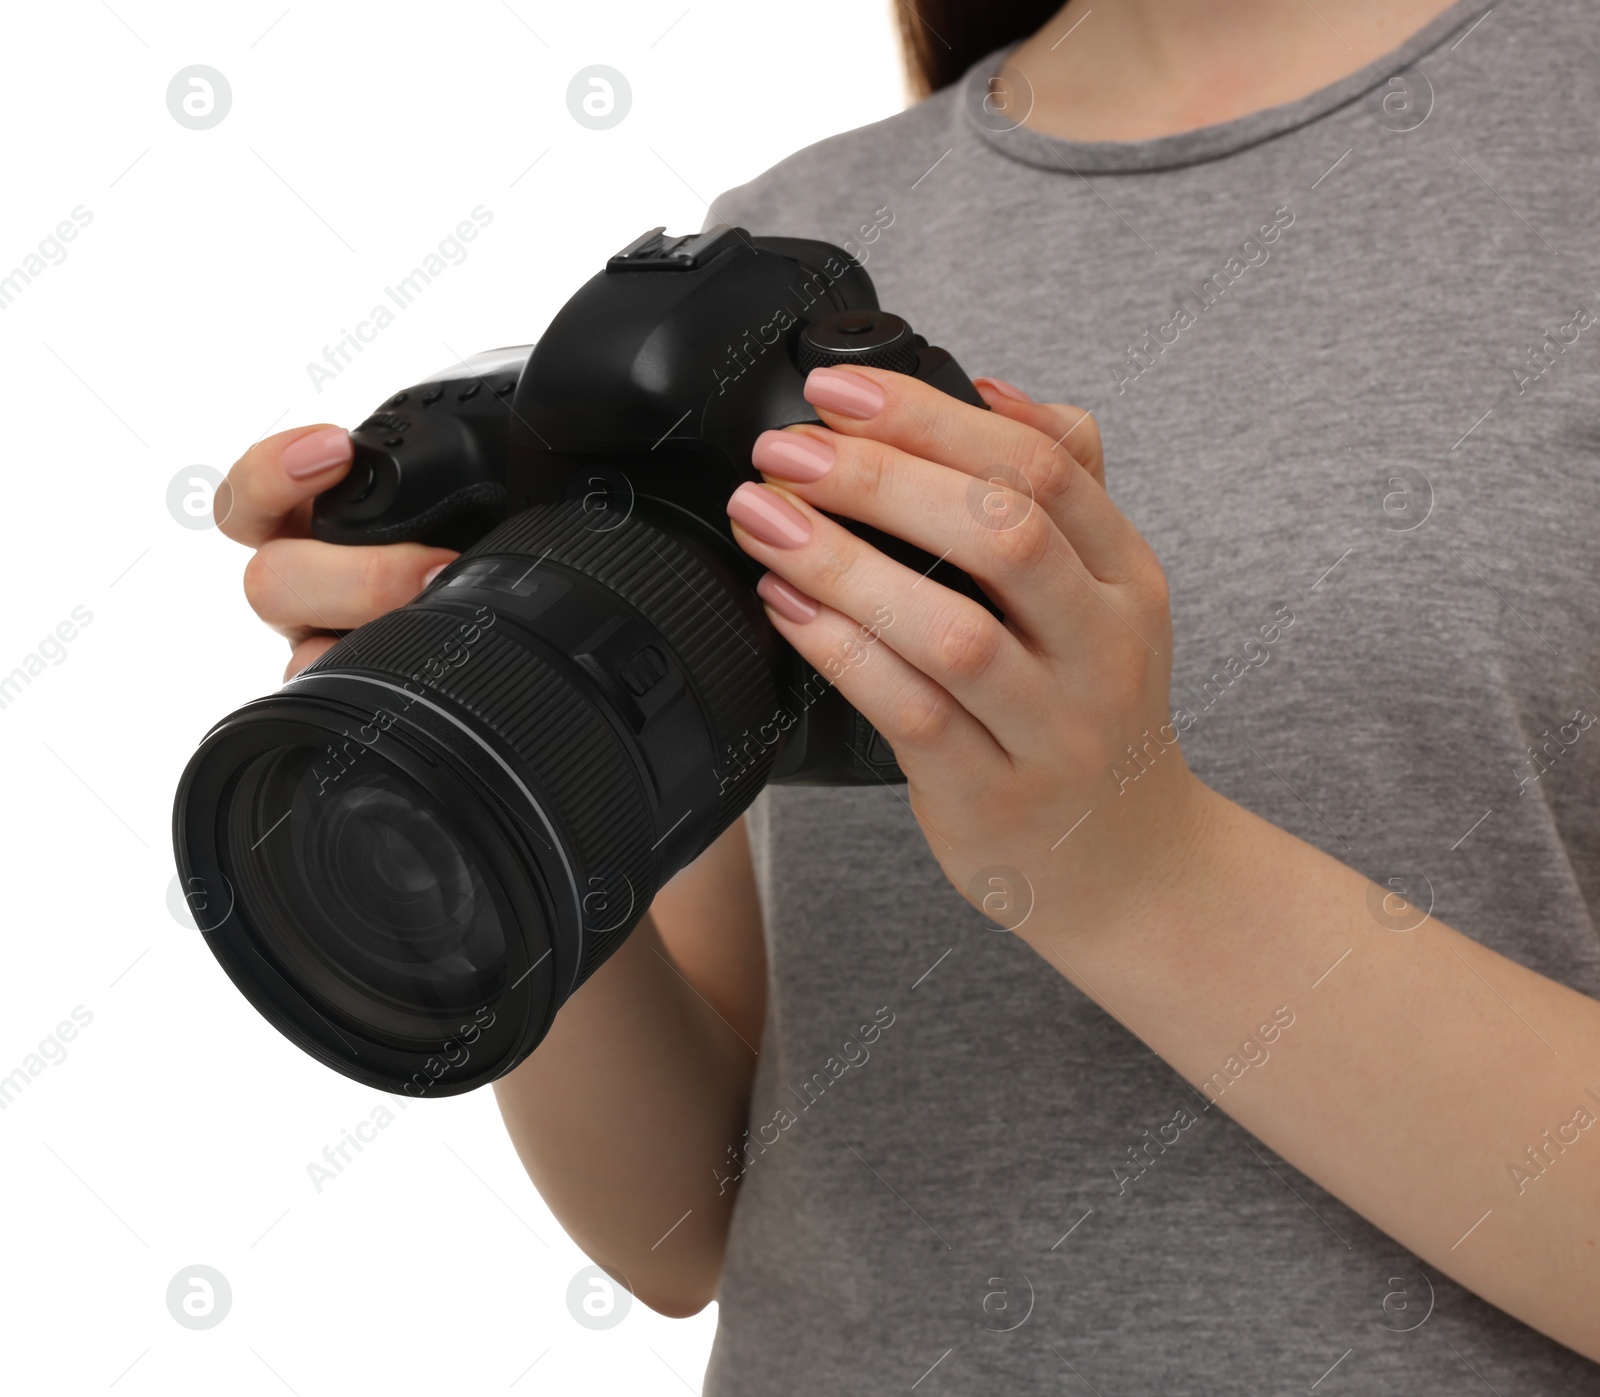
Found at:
<point>789,602</point>
<point>318,452</point>
<point>1006,390</point>
<point>431,573</point>
<point>759,511</point>
<point>792,456</point>
<point>848,394</point>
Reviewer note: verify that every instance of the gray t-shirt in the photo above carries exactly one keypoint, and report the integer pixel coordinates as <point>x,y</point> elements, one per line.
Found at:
<point>1345,356</point>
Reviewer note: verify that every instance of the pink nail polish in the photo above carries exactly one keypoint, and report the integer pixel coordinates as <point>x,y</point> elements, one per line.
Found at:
<point>792,456</point>
<point>319,451</point>
<point>848,394</point>
<point>789,602</point>
<point>1006,390</point>
<point>759,511</point>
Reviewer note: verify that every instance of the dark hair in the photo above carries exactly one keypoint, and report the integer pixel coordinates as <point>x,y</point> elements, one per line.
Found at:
<point>941,39</point>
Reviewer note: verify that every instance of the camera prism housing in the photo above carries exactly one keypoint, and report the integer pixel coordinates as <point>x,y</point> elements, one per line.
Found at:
<point>412,854</point>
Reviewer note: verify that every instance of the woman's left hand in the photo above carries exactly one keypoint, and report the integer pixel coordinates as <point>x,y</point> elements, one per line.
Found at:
<point>1183,914</point>
<point>1014,736</point>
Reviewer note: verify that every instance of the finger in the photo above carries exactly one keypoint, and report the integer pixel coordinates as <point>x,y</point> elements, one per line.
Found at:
<point>928,729</point>
<point>269,490</point>
<point>308,651</point>
<point>1004,540</point>
<point>1065,425</point>
<point>904,413</point>
<point>299,586</point>
<point>953,640</point>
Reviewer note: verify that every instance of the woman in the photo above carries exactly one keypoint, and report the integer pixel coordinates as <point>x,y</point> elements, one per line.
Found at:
<point>1196,1107</point>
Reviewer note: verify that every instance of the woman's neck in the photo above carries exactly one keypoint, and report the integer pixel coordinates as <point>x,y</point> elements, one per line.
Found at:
<point>1128,70</point>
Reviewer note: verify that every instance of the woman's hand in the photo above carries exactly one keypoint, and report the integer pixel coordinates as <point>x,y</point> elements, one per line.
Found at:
<point>1041,745</point>
<point>1182,914</point>
<point>299,587</point>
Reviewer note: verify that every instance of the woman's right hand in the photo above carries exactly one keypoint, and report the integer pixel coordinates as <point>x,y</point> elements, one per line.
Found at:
<point>303,589</point>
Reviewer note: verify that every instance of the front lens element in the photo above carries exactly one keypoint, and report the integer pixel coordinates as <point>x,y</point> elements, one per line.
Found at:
<point>363,892</point>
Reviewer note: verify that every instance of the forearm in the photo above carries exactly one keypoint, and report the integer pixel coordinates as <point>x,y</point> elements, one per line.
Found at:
<point>1418,1069</point>
<point>622,1115</point>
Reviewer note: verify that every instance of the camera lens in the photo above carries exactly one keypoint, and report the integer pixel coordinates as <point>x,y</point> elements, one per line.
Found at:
<point>431,837</point>
<point>380,912</point>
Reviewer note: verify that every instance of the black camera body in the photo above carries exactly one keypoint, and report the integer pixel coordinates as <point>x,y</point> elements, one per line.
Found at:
<point>647,392</point>
<point>427,840</point>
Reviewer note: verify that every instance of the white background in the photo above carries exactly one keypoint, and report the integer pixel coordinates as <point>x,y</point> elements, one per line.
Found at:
<point>178,1128</point>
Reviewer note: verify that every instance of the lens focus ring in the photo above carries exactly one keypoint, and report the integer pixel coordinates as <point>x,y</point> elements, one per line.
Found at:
<point>711,621</point>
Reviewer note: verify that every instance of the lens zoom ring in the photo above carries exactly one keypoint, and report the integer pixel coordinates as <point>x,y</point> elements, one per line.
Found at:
<point>584,774</point>
<point>667,583</point>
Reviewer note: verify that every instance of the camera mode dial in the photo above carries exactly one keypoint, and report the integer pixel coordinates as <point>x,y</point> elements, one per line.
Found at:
<point>877,339</point>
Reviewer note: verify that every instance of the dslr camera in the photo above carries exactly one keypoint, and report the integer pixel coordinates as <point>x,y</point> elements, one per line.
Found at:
<point>410,855</point>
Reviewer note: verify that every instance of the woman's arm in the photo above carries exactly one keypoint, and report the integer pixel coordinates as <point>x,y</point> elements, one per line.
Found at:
<point>1443,1091</point>
<point>623,1116</point>
<point>641,1087</point>
<point>1446,1093</point>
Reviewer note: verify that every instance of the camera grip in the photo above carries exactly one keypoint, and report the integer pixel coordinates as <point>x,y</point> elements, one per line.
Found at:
<point>430,464</point>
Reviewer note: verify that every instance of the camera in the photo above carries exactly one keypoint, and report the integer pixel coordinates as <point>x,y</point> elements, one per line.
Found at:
<point>410,855</point>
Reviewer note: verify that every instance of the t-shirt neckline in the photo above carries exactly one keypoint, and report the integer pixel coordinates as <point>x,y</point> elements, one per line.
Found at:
<point>1205,142</point>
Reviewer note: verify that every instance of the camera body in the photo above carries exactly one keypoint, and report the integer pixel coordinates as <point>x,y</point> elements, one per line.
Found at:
<point>414,852</point>
<point>646,393</point>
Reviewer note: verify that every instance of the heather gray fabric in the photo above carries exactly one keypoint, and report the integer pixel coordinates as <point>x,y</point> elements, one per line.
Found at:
<point>1346,416</point>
